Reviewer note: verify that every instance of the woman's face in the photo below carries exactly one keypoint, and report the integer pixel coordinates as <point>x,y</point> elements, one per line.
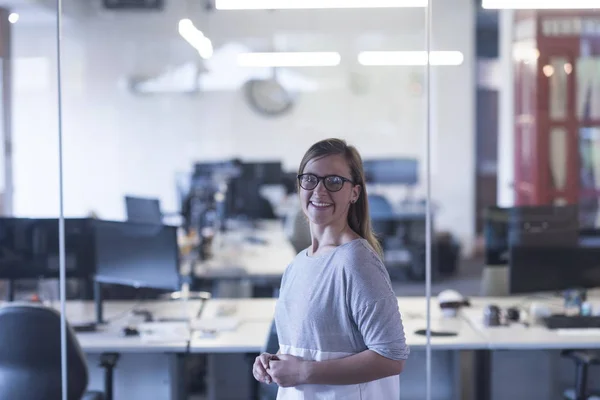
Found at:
<point>321,206</point>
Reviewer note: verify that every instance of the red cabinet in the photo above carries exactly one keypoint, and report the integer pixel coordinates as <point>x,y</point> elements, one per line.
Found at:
<point>556,56</point>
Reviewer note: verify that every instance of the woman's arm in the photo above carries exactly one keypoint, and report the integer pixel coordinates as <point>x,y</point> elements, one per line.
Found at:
<point>366,366</point>
<point>363,367</point>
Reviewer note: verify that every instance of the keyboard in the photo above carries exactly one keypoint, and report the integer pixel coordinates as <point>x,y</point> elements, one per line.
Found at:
<point>561,321</point>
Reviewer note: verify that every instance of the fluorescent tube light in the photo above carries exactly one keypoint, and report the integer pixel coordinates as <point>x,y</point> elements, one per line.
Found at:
<point>196,38</point>
<point>408,58</point>
<point>304,4</point>
<point>540,4</point>
<point>299,59</point>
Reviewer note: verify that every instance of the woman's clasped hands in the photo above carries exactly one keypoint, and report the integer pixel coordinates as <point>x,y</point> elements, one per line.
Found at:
<point>283,369</point>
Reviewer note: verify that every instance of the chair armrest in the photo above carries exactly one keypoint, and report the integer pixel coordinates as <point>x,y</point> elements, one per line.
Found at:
<point>93,396</point>
<point>582,356</point>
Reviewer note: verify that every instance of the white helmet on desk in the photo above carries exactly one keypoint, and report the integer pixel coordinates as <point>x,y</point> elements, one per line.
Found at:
<point>451,301</point>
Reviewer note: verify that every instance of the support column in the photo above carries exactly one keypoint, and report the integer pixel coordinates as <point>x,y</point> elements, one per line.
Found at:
<point>6,161</point>
<point>506,113</point>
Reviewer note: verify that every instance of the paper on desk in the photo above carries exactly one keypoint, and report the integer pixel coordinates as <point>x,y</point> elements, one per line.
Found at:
<point>164,331</point>
<point>217,324</point>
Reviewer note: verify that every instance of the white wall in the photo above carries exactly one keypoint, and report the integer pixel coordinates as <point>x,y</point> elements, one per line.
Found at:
<point>116,143</point>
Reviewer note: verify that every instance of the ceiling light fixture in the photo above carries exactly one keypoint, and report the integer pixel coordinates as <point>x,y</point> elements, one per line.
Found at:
<point>540,4</point>
<point>314,4</point>
<point>289,59</point>
<point>196,38</point>
<point>410,58</point>
<point>13,18</point>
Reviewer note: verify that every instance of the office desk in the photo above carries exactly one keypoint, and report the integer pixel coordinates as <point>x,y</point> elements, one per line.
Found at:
<point>414,317</point>
<point>255,317</point>
<point>237,259</point>
<point>518,336</point>
<point>524,354</point>
<point>154,369</point>
<point>231,353</point>
<point>145,369</point>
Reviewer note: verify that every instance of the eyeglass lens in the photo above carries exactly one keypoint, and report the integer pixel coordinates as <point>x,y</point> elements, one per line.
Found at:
<point>332,183</point>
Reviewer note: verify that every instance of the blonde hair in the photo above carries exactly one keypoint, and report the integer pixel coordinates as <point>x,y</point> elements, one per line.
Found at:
<point>358,214</point>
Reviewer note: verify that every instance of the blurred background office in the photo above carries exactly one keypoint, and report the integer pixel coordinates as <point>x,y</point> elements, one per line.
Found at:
<point>183,123</point>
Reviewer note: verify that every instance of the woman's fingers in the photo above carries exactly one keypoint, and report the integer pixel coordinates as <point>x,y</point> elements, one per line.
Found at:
<point>260,372</point>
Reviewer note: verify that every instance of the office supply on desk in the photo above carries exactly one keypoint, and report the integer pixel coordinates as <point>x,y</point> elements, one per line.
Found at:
<point>164,331</point>
<point>561,321</point>
<point>84,327</point>
<point>423,332</point>
<point>226,310</point>
<point>217,324</point>
<point>492,316</point>
<point>513,314</point>
<point>130,331</point>
<point>30,357</point>
<point>451,301</point>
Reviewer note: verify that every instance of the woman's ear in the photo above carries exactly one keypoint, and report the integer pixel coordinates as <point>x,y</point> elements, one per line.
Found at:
<point>356,191</point>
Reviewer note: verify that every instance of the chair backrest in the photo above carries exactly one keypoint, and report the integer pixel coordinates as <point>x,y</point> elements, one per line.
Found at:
<point>379,206</point>
<point>30,355</point>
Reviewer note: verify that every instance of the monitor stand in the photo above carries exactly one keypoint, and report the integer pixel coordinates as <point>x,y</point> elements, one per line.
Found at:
<point>98,303</point>
<point>91,326</point>
<point>10,290</point>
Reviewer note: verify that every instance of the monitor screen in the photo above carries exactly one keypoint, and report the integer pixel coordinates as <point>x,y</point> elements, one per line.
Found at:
<point>265,173</point>
<point>143,210</point>
<point>403,171</point>
<point>139,255</point>
<point>553,269</point>
<point>29,248</point>
<point>495,233</point>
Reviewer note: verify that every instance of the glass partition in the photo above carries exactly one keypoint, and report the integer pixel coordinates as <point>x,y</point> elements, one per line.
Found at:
<point>534,209</point>
<point>30,204</point>
<point>184,127</point>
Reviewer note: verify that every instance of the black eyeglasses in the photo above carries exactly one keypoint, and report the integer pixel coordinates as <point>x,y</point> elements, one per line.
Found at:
<point>333,183</point>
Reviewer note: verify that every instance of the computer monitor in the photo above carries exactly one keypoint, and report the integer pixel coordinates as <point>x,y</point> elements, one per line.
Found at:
<point>143,210</point>
<point>495,234</point>
<point>536,226</point>
<point>553,269</point>
<point>243,199</point>
<point>29,248</point>
<point>265,173</point>
<point>403,171</point>
<point>138,255</point>
<point>544,225</point>
<point>547,251</point>
<point>216,170</point>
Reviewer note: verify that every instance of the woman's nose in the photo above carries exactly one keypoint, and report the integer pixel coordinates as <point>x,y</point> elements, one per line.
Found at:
<point>320,187</point>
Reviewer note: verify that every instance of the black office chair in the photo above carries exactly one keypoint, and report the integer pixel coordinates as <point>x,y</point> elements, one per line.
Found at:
<point>30,356</point>
<point>583,361</point>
